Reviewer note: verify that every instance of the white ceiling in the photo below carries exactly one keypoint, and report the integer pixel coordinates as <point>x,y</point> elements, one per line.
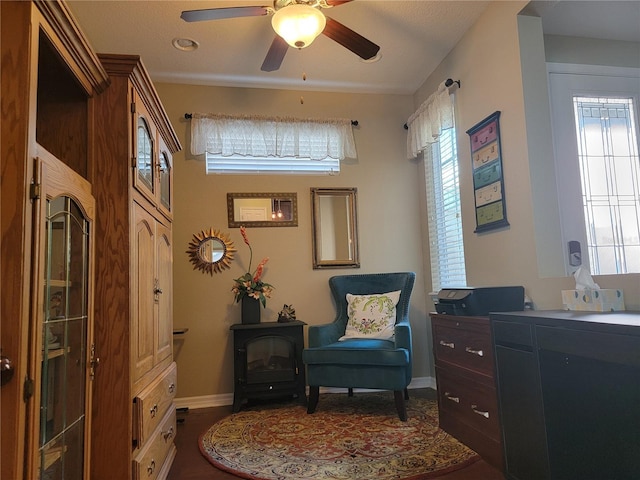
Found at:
<point>414,36</point>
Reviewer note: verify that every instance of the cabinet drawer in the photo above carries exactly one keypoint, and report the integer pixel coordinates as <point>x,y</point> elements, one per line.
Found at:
<point>151,404</point>
<point>150,461</point>
<point>463,344</point>
<point>472,403</point>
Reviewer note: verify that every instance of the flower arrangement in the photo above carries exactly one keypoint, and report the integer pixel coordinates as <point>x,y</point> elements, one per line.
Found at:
<point>251,284</point>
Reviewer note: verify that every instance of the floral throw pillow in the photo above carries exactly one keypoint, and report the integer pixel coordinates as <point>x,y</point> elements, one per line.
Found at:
<point>371,316</point>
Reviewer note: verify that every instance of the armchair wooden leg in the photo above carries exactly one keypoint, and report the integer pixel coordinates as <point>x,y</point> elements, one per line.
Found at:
<point>400,406</point>
<point>314,395</point>
<point>351,392</point>
<point>406,394</point>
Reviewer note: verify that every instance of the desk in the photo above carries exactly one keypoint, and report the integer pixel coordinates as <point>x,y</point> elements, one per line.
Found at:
<point>569,390</point>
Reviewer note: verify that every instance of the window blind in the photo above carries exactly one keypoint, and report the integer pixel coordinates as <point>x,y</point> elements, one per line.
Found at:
<point>443,209</point>
<point>239,164</point>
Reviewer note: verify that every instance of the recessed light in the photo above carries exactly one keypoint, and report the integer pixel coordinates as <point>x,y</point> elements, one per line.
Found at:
<point>185,44</point>
<point>372,59</point>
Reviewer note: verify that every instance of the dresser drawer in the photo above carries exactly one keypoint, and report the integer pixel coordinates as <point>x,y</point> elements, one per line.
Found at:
<point>472,403</point>
<point>149,464</point>
<point>464,343</point>
<point>152,402</point>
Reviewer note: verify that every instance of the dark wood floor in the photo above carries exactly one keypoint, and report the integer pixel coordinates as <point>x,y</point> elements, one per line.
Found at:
<point>189,463</point>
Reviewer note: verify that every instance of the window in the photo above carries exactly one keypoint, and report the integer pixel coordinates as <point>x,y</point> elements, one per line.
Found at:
<point>444,216</point>
<point>268,145</point>
<point>595,127</point>
<point>432,132</point>
<point>247,164</point>
<point>610,178</point>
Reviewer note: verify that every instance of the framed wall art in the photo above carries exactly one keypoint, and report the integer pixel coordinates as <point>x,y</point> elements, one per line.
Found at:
<point>488,180</point>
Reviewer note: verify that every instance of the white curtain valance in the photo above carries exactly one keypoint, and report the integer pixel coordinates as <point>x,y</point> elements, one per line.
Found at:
<point>259,136</point>
<point>434,115</point>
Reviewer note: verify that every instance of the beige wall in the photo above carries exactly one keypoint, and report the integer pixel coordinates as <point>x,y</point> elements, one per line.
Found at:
<point>388,218</point>
<point>489,62</point>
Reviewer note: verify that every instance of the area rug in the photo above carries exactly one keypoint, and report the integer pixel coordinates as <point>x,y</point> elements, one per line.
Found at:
<point>350,438</point>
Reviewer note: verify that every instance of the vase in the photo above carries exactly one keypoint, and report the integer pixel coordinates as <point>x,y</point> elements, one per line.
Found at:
<point>250,310</point>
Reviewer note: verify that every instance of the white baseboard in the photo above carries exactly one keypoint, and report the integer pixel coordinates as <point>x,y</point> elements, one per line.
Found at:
<point>225,399</point>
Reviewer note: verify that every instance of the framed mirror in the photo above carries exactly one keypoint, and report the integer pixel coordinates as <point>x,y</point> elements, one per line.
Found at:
<point>335,228</point>
<point>262,209</point>
<point>211,251</point>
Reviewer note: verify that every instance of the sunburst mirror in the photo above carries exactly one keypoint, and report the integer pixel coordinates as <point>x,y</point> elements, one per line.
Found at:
<point>211,251</point>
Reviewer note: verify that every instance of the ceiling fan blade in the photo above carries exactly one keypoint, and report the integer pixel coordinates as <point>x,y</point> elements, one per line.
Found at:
<point>275,55</point>
<point>220,13</point>
<point>351,40</point>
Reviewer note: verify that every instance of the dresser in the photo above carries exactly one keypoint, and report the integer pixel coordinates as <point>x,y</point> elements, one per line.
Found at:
<point>467,399</point>
<point>136,382</point>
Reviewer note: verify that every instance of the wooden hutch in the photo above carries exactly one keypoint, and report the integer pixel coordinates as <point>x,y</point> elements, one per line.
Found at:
<point>85,141</point>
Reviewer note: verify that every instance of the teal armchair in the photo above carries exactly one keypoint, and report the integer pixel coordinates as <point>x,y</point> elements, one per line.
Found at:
<point>356,362</point>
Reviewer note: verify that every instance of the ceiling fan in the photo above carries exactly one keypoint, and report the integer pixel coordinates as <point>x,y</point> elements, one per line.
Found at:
<point>297,23</point>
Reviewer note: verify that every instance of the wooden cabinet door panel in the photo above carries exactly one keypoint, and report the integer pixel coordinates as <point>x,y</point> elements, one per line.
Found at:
<point>143,285</point>
<point>163,294</point>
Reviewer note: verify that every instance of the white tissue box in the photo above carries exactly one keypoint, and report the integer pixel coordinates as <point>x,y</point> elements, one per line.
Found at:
<point>597,300</point>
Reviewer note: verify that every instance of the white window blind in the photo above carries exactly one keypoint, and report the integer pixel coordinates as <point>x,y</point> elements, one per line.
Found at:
<point>443,210</point>
<point>432,132</point>
<point>256,144</point>
<point>241,164</point>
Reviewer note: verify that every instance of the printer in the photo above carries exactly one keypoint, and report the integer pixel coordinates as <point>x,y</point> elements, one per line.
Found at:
<point>473,301</point>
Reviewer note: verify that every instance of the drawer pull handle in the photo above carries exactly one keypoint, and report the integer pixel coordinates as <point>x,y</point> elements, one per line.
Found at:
<point>479,412</point>
<point>154,410</point>
<point>168,434</point>
<point>172,388</point>
<point>451,397</point>
<point>151,468</point>
<point>445,344</point>
<point>480,353</point>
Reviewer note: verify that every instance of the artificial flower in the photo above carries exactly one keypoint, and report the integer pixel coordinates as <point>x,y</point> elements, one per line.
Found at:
<point>251,284</point>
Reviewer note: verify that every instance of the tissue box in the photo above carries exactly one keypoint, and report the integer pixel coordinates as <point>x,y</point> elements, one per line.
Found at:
<point>597,300</point>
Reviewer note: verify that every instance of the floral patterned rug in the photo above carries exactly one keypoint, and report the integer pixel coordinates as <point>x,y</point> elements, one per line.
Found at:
<point>350,438</point>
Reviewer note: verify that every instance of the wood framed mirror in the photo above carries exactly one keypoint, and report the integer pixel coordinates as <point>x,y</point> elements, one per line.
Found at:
<point>262,210</point>
<point>335,228</point>
<point>211,251</point>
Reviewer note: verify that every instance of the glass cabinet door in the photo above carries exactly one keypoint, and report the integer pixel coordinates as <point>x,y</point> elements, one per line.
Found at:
<point>165,181</point>
<point>62,355</point>
<point>64,334</point>
<point>144,156</point>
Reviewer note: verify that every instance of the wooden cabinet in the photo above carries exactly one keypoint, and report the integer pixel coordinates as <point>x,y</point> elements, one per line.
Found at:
<point>134,322</point>
<point>568,384</point>
<point>49,79</point>
<point>467,400</point>
<point>151,286</point>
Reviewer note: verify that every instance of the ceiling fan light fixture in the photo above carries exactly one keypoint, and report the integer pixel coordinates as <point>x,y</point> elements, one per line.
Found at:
<point>298,24</point>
